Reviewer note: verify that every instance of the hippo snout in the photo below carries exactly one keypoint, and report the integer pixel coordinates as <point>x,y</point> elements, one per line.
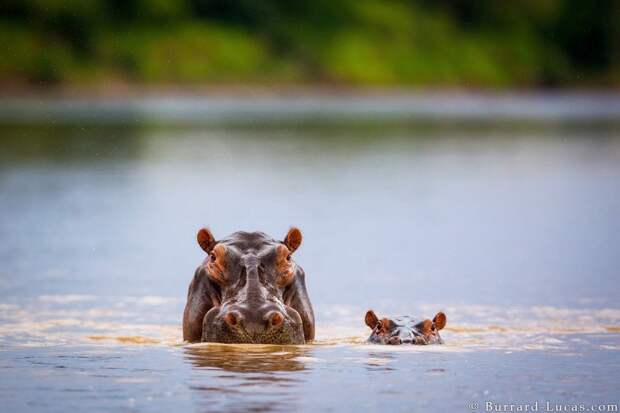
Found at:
<point>253,322</point>
<point>242,324</point>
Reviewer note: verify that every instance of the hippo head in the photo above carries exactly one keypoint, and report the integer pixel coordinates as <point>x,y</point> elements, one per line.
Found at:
<point>404,329</point>
<point>257,290</point>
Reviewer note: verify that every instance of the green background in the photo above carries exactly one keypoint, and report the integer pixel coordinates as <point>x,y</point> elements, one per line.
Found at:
<point>449,43</point>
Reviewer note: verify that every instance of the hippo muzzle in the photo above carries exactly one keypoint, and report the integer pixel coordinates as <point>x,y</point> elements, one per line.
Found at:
<point>405,329</point>
<point>268,324</point>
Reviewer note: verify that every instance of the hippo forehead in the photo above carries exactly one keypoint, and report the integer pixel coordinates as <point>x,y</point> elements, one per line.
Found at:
<point>246,242</point>
<point>405,324</point>
<point>406,327</point>
<point>409,331</point>
<point>405,321</point>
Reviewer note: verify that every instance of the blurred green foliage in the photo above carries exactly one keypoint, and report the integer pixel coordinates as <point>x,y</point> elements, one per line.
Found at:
<point>487,43</point>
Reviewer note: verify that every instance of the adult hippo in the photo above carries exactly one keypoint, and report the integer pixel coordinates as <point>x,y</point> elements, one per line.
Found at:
<point>405,329</point>
<point>248,290</point>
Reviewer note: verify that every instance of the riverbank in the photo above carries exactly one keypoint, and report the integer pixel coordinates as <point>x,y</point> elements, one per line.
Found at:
<point>246,105</point>
<point>360,43</point>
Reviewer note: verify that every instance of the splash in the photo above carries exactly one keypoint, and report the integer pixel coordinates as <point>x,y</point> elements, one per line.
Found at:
<point>155,321</point>
<point>126,339</point>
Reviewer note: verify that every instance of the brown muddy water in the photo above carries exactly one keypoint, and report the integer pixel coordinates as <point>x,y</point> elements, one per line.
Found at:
<point>511,228</point>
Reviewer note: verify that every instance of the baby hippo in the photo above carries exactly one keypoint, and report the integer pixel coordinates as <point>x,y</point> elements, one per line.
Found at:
<point>405,329</point>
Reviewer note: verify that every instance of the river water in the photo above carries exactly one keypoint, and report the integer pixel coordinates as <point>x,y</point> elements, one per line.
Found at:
<point>511,228</point>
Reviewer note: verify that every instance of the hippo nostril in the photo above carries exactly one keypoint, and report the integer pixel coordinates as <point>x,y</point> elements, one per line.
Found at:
<point>231,319</point>
<point>394,340</point>
<point>275,319</point>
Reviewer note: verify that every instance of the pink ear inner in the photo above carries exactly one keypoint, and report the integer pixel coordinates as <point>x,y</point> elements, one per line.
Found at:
<point>439,320</point>
<point>205,240</point>
<point>371,319</point>
<point>293,239</point>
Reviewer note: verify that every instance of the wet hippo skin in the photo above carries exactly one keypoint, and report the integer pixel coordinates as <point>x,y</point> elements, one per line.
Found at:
<point>248,290</point>
<point>405,329</point>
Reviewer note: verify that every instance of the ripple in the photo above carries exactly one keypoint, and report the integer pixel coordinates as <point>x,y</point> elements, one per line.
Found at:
<point>81,319</point>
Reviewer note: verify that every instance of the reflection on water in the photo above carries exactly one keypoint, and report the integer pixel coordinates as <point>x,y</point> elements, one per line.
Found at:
<point>247,358</point>
<point>247,377</point>
<point>510,229</point>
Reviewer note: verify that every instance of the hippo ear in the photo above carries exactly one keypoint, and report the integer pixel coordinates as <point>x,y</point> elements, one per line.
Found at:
<point>206,240</point>
<point>292,239</point>
<point>439,321</point>
<point>371,319</point>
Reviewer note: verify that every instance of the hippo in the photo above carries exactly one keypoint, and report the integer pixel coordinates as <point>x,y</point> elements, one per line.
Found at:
<point>248,290</point>
<point>405,329</point>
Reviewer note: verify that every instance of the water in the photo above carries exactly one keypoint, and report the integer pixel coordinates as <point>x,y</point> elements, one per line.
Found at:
<point>511,228</point>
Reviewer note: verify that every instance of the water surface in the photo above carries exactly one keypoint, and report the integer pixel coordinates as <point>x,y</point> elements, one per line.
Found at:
<point>511,228</point>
